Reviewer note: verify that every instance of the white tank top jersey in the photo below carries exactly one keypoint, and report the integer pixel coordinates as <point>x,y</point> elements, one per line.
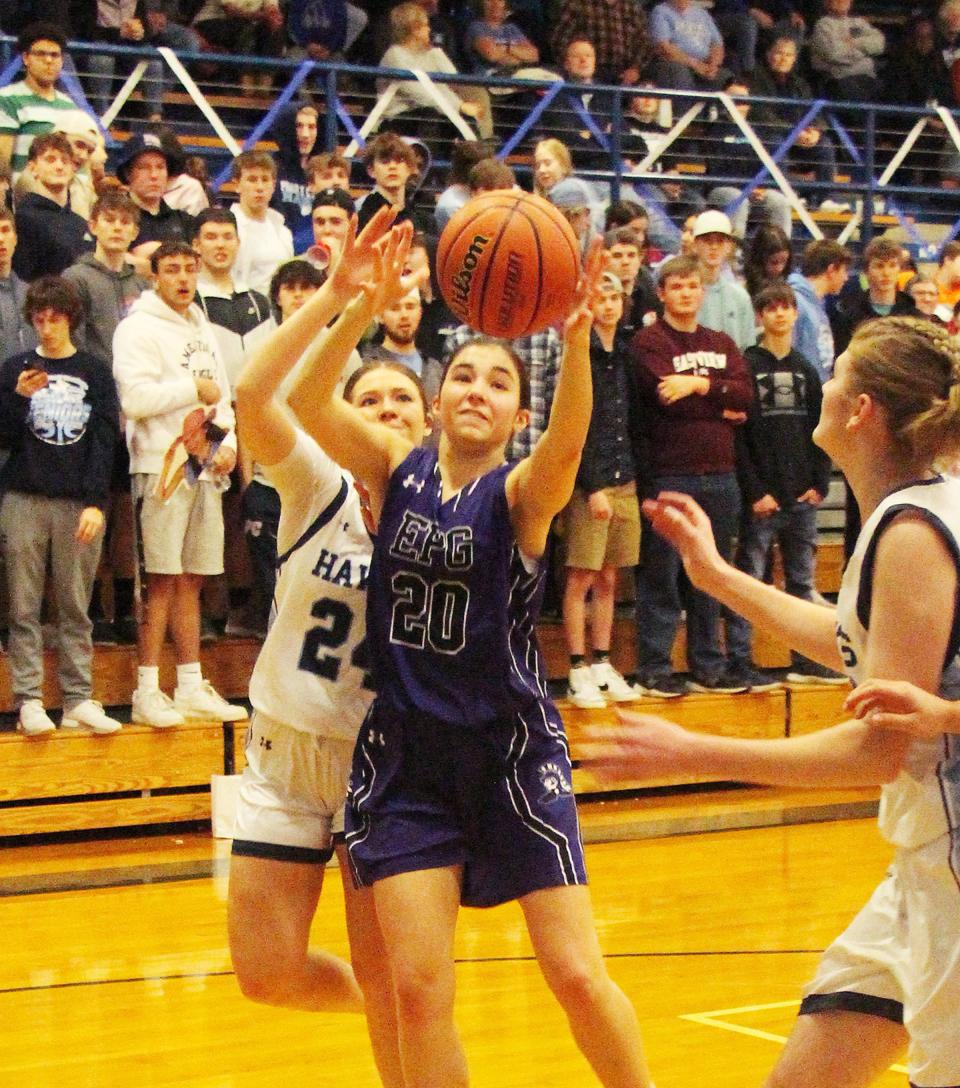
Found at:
<point>923,801</point>
<point>310,674</point>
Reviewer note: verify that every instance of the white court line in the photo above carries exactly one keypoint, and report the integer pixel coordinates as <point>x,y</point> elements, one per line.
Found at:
<point>709,1019</point>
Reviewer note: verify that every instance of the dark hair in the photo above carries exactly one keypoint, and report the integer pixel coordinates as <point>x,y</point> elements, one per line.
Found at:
<point>679,266</point>
<point>464,155</point>
<point>53,293</point>
<point>387,364</point>
<point>40,32</point>
<point>818,256</point>
<point>291,273</point>
<point>388,147</point>
<point>767,239</point>
<point>773,294</point>
<point>622,212</point>
<point>50,141</point>
<point>214,215</point>
<point>949,251</point>
<point>508,349</point>
<point>623,236</point>
<point>882,249</point>
<point>326,160</point>
<point>7,216</point>
<point>115,200</point>
<point>491,174</point>
<point>171,249</point>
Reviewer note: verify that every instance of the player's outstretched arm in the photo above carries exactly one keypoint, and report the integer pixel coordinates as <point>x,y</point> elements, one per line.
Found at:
<point>806,627</point>
<point>895,704</point>
<point>368,451</point>
<point>266,430</point>
<point>540,486</point>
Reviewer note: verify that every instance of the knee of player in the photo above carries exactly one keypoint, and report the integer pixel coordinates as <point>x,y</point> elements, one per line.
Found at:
<point>577,985</point>
<point>424,992</point>
<point>265,983</point>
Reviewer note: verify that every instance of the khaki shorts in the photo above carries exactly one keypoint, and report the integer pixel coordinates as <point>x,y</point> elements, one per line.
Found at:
<point>292,792</point>
<point>183,535</point>
<point>593,544</point>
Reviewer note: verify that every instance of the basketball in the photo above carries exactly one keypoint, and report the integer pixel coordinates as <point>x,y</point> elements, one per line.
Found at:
<point>508,264</point>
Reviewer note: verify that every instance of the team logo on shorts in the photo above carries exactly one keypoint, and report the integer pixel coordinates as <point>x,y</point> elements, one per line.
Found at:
<point>555,783</point>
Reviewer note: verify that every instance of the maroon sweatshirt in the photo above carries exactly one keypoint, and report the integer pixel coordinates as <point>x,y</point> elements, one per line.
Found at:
<point>689,437</point>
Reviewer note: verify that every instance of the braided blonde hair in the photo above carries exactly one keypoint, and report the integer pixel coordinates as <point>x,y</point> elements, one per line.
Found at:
<point>911,367</point>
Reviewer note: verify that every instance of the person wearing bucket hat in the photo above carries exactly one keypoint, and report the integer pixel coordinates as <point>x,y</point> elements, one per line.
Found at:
<point>726,305</point>
<point>144,165</point>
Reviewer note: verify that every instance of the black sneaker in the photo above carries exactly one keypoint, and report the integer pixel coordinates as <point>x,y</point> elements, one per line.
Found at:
<point>813,674</point>
<point>724,684</point>
<point>752,679</point>
<point>662,686</point>
<point>104,633</point>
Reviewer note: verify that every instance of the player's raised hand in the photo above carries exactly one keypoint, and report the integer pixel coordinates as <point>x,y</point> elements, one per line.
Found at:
<point>681,521</point>
<point>356,260</point>
<point>387,283</point>
<point>898,705</point>
<point>640,746</point>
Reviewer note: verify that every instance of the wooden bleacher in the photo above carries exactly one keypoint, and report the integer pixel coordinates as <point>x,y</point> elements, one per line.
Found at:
<point>75,781</point>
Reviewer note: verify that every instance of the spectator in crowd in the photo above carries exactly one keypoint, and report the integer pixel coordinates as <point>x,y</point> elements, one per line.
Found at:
<point>330,221</point>
<point>295,130</point>
<point>257,33</point>
<point>553,167</point>
<point>726,306</point>
<point>730,154</point>
<point>579,113</point>
<point>767,258</point>
<point>617,30</point>
<point>144,167</point>
<point>30,107</point>
<point>624,252</point>
<point>464,155</point>
<point>400,326</point>
<point>107,287</point>
<point>922,288</point>
<point>16,332</point>
<point>389,160</point>
<point>742,22</point>
<point>783,476</point>
<point>948,275</point>
<point>842,49</point>
<point>489,175</point>
<point>167,365</point>
<point>777,77</point>
<point>689,381</point>
<point>323,29</point>
<point>651,221</point>
<point>185,190</point>
<point>51,234</point>
<point>412,49</point>
<point>59,418</point>
<point>572,197</point>
<point>881,298</point>
<point>497,47</point>
<point>165,27</point>
<point>86,149</point>
<point>602,519</point>
<point>444,33</point>
<point>688,47</point>
<point>265,240</point>
<point>328,170</point>
<point>118,24</point>
<point>824,267</point>
<point>240,316</point>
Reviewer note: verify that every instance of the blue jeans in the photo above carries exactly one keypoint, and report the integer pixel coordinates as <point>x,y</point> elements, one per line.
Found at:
<point>662,589</point>
<point>794,527</point>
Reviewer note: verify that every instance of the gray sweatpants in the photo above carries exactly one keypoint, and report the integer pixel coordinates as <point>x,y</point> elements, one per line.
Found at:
<point>31,528</point>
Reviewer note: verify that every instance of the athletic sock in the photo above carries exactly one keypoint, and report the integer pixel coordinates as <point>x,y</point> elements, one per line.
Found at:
<point>148,678</point>
<point>189,676</point>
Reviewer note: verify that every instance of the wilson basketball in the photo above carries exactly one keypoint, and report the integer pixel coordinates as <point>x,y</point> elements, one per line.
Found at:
<point>508,264</point>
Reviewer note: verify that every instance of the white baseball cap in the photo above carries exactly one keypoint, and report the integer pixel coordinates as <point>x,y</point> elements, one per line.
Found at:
<point>712,222</point>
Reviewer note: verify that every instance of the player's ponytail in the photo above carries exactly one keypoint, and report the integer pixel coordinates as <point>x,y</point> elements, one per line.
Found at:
<point>911,367</point>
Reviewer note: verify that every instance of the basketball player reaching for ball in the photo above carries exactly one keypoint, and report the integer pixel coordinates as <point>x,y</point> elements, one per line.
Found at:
<point>890,413</point>
<point>460,790</point>
<point>310,688</point>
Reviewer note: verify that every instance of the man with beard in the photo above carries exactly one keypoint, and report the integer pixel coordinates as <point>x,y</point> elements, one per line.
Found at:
<point>400,323</point>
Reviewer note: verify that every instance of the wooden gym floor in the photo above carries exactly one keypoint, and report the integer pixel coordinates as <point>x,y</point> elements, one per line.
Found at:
<point>114,970</point>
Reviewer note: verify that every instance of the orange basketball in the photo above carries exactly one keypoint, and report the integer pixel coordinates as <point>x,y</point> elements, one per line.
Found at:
<point>508,264</point>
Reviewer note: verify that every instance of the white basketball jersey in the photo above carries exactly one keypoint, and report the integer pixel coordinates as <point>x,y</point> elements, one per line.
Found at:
<point>923,801</point>
<point>310,674</point>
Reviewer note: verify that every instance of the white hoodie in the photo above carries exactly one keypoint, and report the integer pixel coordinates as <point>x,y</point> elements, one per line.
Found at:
<point>157,355</point>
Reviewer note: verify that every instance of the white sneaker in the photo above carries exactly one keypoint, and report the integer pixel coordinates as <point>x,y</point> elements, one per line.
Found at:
<point>582,690</point>
<point>90,713</point>
<point>152,707</point>
<point>834,206</point>
<point>33,720</point>
<point>611,684</point>
<point>204,704</point>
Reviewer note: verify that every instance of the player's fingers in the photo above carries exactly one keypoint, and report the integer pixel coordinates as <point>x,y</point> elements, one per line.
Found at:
<point>897,723</point>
